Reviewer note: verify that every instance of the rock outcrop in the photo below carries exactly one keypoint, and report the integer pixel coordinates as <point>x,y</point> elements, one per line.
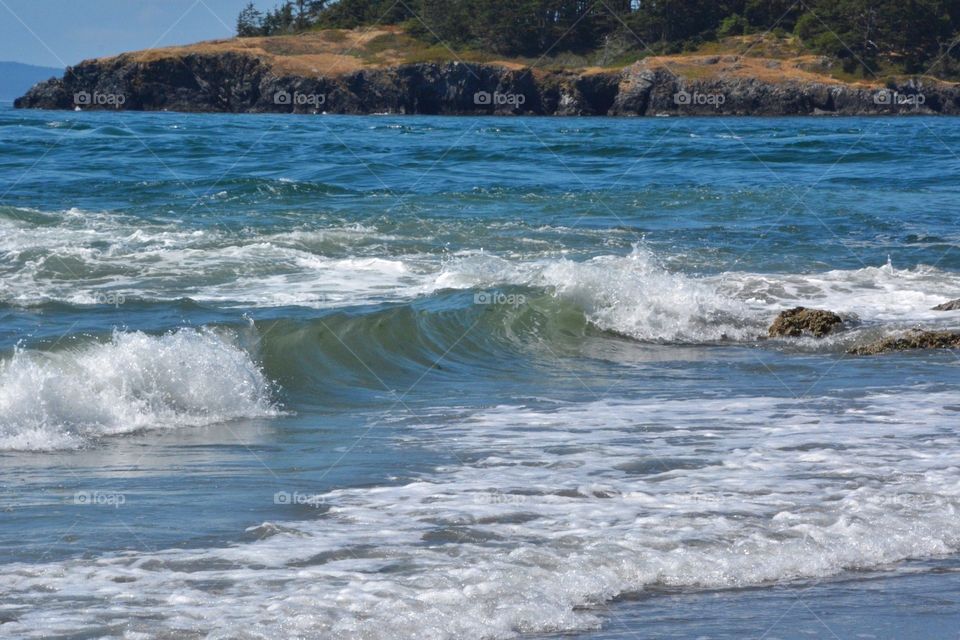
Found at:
<point>236,82</point>
<point>948,306</point>
<point>802,321</point>
<point>916,339</point>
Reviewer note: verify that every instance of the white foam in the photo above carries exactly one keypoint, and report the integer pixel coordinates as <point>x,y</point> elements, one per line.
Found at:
<point>82,257</point>
<point>65,398</point>
<point>557,510</point>
<point>635,296</point>
<point>632,295</point>
<point>878,294</point>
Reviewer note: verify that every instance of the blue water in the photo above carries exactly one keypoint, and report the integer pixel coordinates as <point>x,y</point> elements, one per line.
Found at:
<point>393,377</point>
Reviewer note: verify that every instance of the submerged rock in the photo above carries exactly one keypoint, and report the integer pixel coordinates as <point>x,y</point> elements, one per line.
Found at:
<point>796,322</point>
<point>948,306</point>
<point>916,339</point>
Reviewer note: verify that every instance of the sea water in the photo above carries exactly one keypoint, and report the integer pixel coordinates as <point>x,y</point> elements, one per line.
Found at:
<point>411,377</point>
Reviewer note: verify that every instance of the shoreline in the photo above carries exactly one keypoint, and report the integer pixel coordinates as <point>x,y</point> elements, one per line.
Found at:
<point>234,83</point>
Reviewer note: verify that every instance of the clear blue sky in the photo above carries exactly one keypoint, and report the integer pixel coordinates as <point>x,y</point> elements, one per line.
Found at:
<point>55,33</point>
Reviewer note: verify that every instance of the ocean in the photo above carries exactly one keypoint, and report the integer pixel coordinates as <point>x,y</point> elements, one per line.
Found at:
<point>418,377</point>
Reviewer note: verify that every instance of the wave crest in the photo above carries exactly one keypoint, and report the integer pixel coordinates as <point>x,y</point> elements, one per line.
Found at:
<point>630,295</point>
<point>66,399</point>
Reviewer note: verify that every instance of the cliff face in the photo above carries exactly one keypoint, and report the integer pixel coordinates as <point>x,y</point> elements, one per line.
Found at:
<point>239,83</point>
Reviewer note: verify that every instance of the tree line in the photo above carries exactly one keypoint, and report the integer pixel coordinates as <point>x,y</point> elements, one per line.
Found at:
<point>912,35</point>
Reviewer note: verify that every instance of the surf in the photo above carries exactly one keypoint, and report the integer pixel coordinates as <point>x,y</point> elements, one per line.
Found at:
<point>73,397</point>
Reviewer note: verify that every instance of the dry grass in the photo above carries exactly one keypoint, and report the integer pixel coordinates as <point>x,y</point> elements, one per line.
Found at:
<point>338,52</point>
<point>328,53</point>
<point>766,57</point>
<point>771,70</point>
<point>765,45</point>
<point>332,52</point>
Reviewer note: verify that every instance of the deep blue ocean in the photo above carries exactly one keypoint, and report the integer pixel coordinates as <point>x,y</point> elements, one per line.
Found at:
<point>414,377</point>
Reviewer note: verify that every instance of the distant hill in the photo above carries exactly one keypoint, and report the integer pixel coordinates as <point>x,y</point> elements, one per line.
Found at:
<point>16,78</point>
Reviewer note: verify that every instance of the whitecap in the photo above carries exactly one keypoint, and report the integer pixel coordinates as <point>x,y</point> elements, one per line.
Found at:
<point>65,399</point>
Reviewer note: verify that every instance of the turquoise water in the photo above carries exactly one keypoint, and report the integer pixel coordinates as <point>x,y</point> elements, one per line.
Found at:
<point>384,377</point>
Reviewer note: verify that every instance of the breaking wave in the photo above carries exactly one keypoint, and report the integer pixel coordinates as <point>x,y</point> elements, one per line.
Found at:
<point>68,398</point>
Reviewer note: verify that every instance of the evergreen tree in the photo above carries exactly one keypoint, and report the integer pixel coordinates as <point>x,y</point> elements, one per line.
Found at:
<point>249,22</point>
<point>910,35</point>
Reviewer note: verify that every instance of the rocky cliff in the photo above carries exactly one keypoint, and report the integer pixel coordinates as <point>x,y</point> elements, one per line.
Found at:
<point>238,82</point>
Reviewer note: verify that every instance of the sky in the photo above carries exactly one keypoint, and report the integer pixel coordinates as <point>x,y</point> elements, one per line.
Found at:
<point>59,33</point>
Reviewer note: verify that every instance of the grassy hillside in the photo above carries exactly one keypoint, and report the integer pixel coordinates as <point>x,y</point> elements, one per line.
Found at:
<point>336,52</point>
<point>866,38</point>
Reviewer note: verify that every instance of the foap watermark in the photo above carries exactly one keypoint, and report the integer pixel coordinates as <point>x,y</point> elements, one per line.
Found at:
<point>97,99</point>
<point>891,98</point>
<point>697,99</point>
<point>299,499</point>
<point>100,499</point>
<point>499,498</point>
<point>498,99</point>
<point>708,497</point>
<point>112,299</point>
<point>499,298</point>
<point>298,99</point>
<point>914,500</point>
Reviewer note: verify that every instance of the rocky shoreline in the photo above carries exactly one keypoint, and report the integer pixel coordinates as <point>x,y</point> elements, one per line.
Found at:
<point>238,83</point>
<point>819,323</point>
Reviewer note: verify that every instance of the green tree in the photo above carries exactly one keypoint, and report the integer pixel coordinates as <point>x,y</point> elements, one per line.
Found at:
<point>862,34</point>
<point>307,12</point>
<point>767,14</point>
<point>865,33</point>
<point>249,22</point>
<point>734,25</point>
<point>348,14</point>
